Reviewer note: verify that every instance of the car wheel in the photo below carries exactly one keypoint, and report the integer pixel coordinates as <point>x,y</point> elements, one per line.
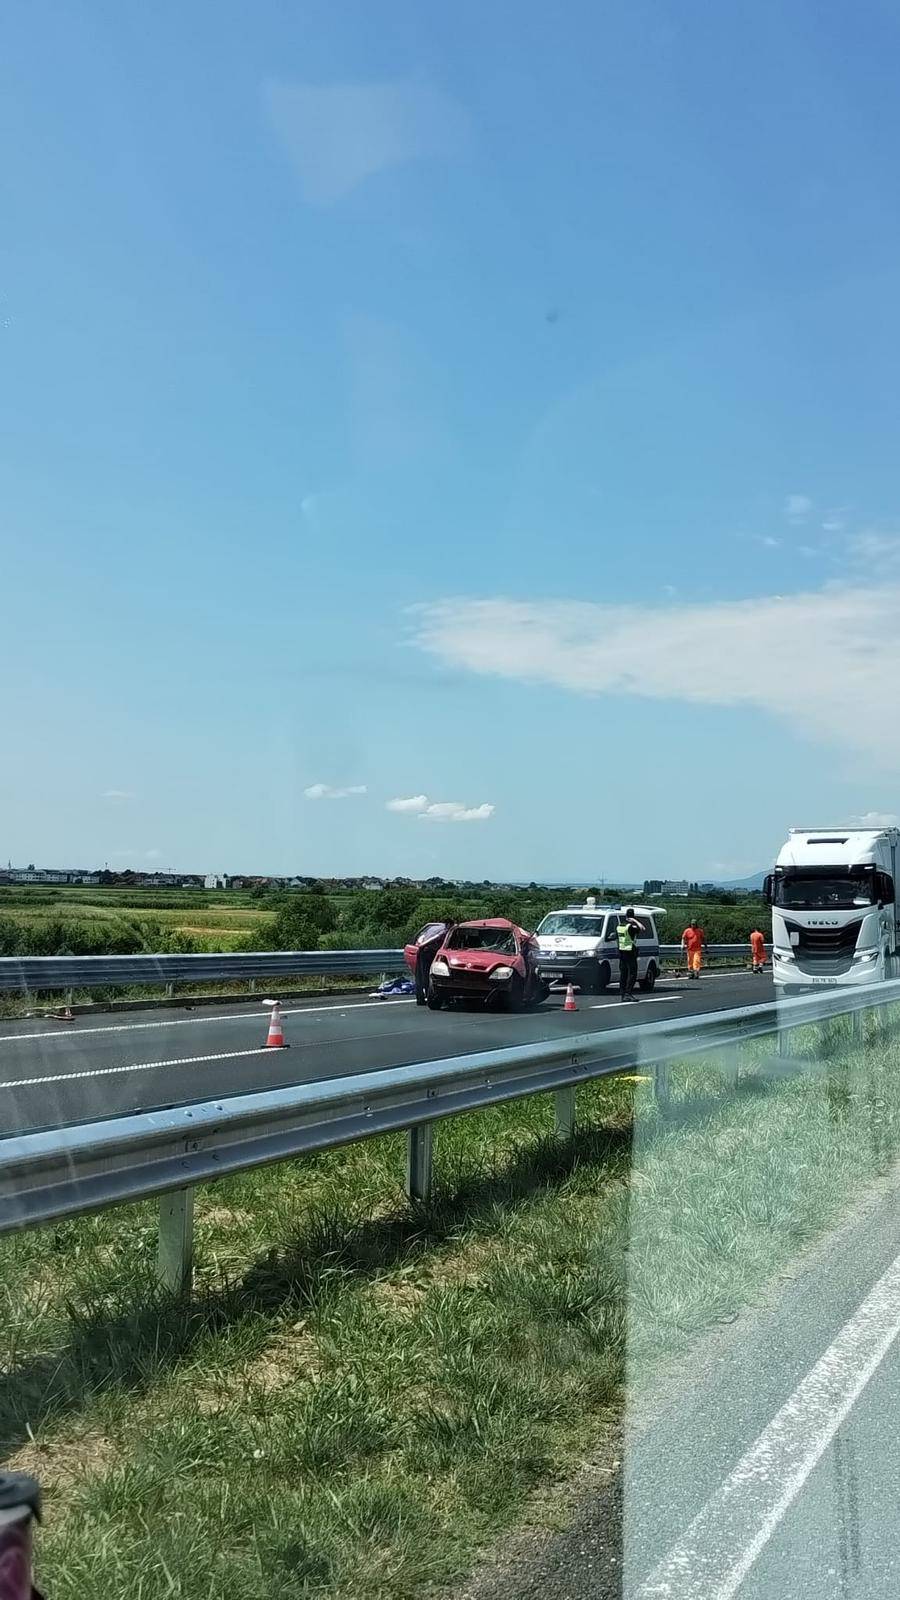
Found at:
<point>515,1000</point>
<point>648,982</point>
<point>604,973</point>
<point>434,1001</point>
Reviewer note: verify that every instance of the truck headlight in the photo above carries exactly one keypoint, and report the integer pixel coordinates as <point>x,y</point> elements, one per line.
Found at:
<point>502,972</point>
<point>783,955</point>
<point>440,968</point>
<point>866,955</point>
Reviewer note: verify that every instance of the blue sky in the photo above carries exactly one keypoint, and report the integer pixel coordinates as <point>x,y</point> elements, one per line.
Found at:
<point>497,419</point>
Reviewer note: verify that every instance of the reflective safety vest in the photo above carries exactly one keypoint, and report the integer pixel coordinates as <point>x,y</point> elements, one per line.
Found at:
<point>624,936</point>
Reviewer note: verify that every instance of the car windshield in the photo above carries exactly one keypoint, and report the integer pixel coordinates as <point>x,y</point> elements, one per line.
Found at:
<point>566,925</point>
<point>802,891</point>
<point>500,940</point>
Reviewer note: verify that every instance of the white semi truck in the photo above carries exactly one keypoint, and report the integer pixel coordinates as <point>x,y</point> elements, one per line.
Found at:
<point>834,907</point>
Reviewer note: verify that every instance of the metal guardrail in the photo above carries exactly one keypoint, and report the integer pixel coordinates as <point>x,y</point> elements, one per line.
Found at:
<point>65,1171</point>
<point>31,974</point>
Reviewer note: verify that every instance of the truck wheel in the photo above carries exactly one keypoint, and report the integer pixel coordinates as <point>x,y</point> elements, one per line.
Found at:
<point>648,981</point>
<point>604,973</point>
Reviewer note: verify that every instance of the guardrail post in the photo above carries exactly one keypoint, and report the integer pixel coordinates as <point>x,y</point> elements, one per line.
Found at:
<point>661,1084</point>
<point>170,990</point>
<point>419,1151</point>
<point>856,1027</point>
<point>70,995</point>
<point>176,1240</point>
<point>564,1113</point>
<point>785,1042</point>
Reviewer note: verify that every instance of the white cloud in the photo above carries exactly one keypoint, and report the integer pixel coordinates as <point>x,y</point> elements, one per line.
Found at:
<point>877,819</point>
<point>455,811</point>
<point>117,794</point>
<point>324,791</point>
<point>819,660</point>
<point>797,507</point>
<point>770,543</point>
<point>153,855</point>
<point>874,548</point>
<point>339,134</point>
<point>441,810</point>
<point>832,525</point>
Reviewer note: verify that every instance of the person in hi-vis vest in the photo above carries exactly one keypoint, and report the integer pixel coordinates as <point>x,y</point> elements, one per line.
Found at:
<point>627,930</point>
<point>693,942</point>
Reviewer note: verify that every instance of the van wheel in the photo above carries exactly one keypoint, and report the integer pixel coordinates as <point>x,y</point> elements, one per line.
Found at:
<point>604,974</point>
<point>648,982</point>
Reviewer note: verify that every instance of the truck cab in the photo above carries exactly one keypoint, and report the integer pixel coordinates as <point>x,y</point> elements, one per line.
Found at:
<point>834,911</point>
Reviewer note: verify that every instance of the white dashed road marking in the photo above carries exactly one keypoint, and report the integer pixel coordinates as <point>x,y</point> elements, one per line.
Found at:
<point>718,1549</point>
<point>184,1022</point>
<point>137,1066</point>
<point>649,1000</point>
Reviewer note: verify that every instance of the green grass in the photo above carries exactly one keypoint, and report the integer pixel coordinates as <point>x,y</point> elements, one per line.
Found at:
<point>362,1393</point>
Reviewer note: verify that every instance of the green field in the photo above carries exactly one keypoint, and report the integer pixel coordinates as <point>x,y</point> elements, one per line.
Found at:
<point>362,1394</point>
<point>50,921</point>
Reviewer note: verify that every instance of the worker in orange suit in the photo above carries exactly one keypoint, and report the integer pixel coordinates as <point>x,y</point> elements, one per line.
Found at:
<point>693,942</point>
<point>758,950</point>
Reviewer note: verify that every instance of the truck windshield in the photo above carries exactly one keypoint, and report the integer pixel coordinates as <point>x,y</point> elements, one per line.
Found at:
<point>812,891</point>
<point>563,924</point>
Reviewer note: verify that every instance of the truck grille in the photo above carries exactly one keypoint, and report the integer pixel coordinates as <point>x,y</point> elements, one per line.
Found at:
<point>826,949</point>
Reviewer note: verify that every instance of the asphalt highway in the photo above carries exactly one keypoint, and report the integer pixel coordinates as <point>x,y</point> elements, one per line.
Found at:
<point>53,1073</point>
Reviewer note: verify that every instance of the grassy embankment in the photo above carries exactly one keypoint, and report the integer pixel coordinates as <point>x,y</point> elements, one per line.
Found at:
<point>362,1394</point>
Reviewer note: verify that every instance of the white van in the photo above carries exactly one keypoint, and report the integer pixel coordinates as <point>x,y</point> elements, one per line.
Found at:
<point>578,945</point>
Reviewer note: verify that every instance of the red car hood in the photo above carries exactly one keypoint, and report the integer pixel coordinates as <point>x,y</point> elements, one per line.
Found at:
<point>478,960</point>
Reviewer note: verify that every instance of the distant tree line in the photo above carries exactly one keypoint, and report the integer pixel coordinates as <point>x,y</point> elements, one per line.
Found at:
<point>312,920</point>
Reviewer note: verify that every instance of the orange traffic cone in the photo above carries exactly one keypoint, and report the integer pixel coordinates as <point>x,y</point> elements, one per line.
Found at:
<point>275,1035</point>
<point>570,1000</point>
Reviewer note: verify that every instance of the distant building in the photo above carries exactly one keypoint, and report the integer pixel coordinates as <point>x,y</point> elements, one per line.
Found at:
<point>371,883</point>
<point>215,880</point>
<point>670,886</point>
<point>33,874</point>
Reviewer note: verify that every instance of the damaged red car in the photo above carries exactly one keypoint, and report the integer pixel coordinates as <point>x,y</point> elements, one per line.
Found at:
<point>493,960</point>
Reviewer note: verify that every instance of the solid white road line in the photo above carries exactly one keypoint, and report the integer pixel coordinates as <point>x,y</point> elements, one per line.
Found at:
<point>184,1022</point>
<point>714,1555</point>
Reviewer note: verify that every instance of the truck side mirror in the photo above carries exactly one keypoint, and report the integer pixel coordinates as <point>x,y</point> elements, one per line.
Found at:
<point>767,889</point>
